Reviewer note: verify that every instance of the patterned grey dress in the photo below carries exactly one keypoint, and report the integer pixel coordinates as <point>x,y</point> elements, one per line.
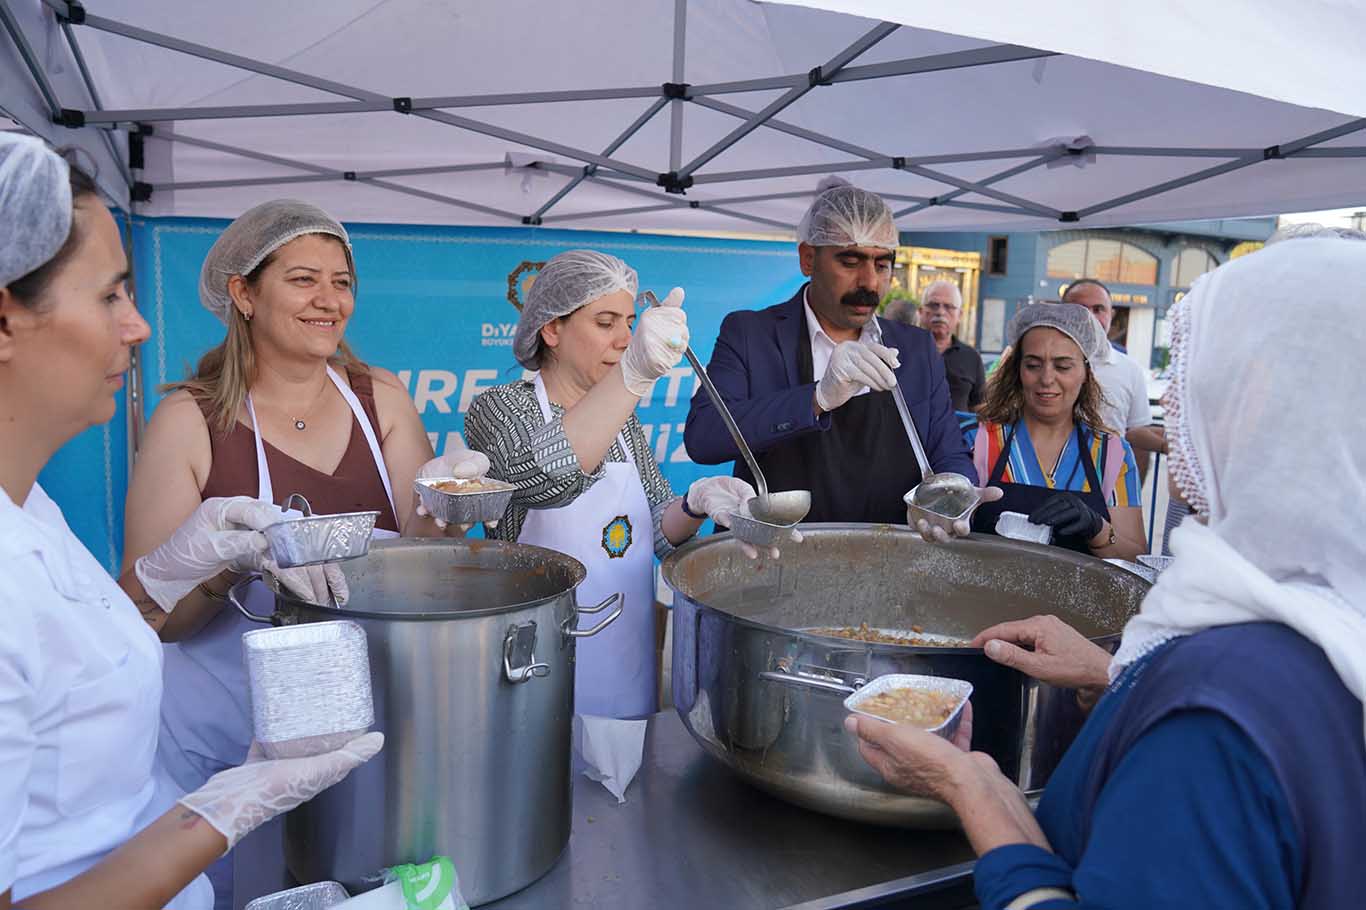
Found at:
<point>506,424</point>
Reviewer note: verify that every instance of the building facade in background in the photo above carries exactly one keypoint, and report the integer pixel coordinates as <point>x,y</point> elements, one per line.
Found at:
<point>1147,268</point>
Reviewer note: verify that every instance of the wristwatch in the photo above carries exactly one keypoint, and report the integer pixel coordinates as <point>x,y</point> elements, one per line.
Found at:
<point>683,501</point>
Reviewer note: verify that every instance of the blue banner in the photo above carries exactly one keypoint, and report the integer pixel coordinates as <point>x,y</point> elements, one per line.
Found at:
<point>434,305</point>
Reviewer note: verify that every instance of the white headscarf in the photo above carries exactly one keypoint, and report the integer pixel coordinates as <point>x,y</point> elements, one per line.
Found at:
<point>1268,432</point>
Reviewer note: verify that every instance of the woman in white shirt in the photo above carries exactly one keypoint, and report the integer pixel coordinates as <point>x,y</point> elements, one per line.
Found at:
<point>82,815</point>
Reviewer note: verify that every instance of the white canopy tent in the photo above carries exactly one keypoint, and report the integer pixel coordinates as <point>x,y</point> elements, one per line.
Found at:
<point>708,115</point>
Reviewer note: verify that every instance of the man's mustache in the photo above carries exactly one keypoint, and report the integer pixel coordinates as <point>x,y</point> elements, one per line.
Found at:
<point>860,297</point>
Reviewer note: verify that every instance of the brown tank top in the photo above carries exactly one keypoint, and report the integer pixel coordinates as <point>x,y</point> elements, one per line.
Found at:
<point>355,486</point>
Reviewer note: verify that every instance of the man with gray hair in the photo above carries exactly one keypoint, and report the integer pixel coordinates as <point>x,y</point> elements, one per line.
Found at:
<point>1122,379</point>
<point>941,306</point>
<point>809,380</point>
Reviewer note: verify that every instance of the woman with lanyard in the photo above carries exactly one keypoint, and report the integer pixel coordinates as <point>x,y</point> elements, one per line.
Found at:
<point>1225,764</point>
<point>281,406</point>
<point>587,483</point>
<point>1043,408</point>
<point>83,822</point>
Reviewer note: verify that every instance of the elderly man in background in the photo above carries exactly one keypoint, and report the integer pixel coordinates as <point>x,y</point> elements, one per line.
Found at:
<point>940,309</point>
<point>1123,380</point>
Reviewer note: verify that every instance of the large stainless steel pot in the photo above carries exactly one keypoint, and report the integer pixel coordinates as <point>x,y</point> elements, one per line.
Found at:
<point>766,699</point>
<point>472,666</point>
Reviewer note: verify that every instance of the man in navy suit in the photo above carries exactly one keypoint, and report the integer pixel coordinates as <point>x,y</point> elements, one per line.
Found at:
<point>810,387</point>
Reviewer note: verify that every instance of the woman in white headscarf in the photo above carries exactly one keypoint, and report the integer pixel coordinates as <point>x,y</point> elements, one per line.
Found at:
<point>1225,764</point>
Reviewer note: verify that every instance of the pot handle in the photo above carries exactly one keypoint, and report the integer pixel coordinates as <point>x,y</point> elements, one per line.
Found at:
<point>571,632</point>
<point>821,681</point>
<point>234,598</point>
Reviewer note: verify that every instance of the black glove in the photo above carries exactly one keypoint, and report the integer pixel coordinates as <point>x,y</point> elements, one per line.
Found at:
<point>1067,513</point>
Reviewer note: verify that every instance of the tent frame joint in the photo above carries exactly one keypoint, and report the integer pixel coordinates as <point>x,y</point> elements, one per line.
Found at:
<point>74,15</point>
<point>676,91</point>
<point>1069,217</point>
<point>349,176</point>
<point>140,191</point>
<point>70,118</point>
<point>1272,153</point>
<point>403,105</point>
<point>816,77</point>
<point>673,183</point>
<point>899,163</point>
<point>532,220</point>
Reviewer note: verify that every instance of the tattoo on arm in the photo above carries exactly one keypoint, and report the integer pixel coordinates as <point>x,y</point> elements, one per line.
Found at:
<point>151,611</point>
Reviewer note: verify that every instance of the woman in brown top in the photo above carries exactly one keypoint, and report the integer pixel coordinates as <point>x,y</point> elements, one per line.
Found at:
<point>281,406</point>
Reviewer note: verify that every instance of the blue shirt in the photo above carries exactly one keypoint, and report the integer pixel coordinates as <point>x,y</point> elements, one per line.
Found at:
<point>1226,770</point>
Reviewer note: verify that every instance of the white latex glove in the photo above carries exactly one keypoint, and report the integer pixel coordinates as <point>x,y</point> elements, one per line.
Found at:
<point>224,533</point>
<point>239,800</point>
<point>657,345</point>
<point>311,583</point>
<point>936,534</point>
<point>462,463</point>
<point>720,498</point>
<point>854,365</point>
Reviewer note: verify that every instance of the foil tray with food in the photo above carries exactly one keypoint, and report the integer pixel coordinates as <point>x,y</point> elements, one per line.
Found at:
<point>931,703</point>
<point>457,500</point>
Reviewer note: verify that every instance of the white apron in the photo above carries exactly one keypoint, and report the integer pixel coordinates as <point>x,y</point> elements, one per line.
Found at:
<point>206,709</point>
<point>610,529</point>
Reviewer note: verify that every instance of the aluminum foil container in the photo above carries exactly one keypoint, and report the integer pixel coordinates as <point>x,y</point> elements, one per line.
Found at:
<point>315,539</point>
<point>957,508</point>
<point>310,687</point>
<point>1019,527</point>
<point>1147,573</point>
<point>958,688</point>
<point>1157,563</point>
<point>317,896</point>
<point>487,501</point>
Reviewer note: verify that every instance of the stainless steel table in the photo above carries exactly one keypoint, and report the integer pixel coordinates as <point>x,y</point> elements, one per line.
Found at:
<point>692,835</point>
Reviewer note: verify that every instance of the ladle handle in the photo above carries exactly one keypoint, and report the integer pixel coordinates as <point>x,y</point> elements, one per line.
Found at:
<point>760,484</point>
<point>905,413</point>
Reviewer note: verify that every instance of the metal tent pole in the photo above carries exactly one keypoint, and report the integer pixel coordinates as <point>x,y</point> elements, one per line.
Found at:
<point>792,95</point>
<point>676,105</point>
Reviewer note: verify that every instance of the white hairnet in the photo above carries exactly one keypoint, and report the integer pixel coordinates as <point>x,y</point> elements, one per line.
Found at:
<point>1311,229</point>
<point>256,234</point>
<point>1073,320</point>
<point>844,215</point>
<point>35,197</point>
<point>573,279</point>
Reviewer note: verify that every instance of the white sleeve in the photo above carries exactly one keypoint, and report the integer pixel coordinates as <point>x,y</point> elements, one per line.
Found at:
<point>19,670</point>
<point>1140,412</point>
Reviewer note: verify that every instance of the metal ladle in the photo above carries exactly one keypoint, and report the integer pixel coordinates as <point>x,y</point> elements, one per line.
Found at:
<point>785,508</point>
<point>946,494</point>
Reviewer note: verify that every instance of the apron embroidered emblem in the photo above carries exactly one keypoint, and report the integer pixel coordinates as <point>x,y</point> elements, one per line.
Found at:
<point>616,537</point>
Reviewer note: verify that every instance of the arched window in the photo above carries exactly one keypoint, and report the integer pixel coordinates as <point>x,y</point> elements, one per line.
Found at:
<point>1190,264</point>
<point>1103,259</point>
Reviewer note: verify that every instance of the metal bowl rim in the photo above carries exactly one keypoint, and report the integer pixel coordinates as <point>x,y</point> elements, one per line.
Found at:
<point>406,543</point>
<point>669,563</point>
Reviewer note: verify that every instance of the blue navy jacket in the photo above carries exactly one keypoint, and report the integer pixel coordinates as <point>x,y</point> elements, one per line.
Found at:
<point>754,367</point>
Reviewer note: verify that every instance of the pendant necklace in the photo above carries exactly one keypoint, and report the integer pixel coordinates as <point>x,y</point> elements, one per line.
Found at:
<point>300,423</point>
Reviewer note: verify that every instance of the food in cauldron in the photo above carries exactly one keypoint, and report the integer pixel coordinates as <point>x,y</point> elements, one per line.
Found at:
<point>916,638</point>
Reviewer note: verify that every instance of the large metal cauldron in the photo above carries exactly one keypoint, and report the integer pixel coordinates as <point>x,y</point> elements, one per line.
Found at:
<point>472,664</point>
<point>766,699</point>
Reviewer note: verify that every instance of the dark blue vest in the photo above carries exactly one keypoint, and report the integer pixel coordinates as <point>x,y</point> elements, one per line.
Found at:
<point>1281,691</point>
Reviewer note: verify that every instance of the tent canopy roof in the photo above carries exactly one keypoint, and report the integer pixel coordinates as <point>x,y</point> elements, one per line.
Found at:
<point>572,115</point>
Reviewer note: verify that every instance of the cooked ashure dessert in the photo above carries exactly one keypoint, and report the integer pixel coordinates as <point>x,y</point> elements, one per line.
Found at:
<point>915,638</point>
<point>924,708</point>
<point>469,486</point>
